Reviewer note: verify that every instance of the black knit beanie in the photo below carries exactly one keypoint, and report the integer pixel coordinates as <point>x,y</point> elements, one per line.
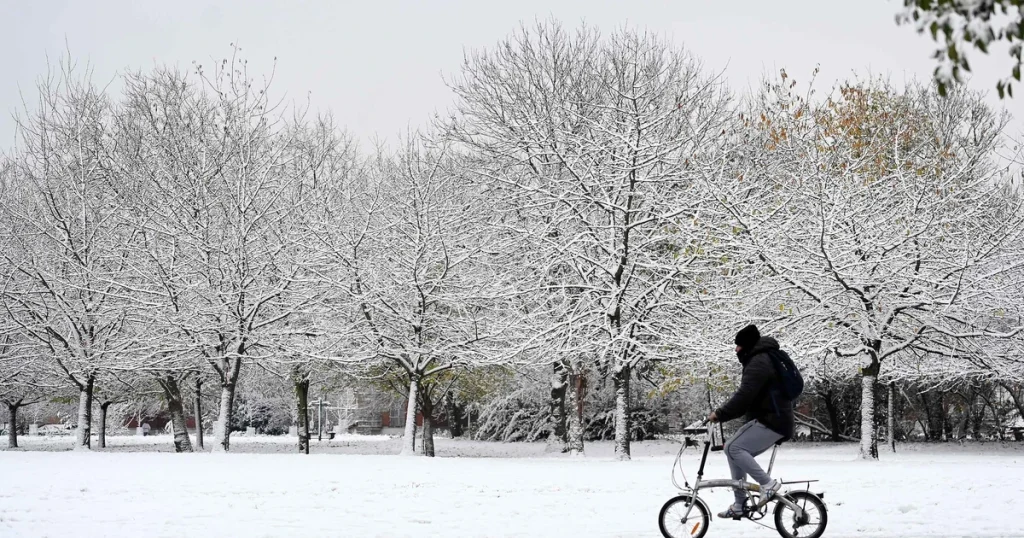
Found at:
<point>748,337</point>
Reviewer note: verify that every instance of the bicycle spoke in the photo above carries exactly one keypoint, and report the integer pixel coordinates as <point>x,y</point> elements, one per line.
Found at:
<point>814,516</point>
<point>682,519</point>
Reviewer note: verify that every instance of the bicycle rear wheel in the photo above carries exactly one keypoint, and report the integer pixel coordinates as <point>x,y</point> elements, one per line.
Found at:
<point>675,522</point>
<point>810,525</point>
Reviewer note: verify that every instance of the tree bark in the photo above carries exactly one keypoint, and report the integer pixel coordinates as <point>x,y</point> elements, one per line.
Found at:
<point>198,413</point>
<point>103,423</point>
<point>302,396</point>
<point>1018,399</point>
<point>453,415</point>
<point>222,431</point>
<point>12,429</point>
<point>229,378</point>
<point>926,406</point>
<point>175,405</point>
<point>83,438</point>
<point>995,416</point>
<point>622,429</point>
<point>964,424</point>
<point>833,414</point>
<point>947,426</point>
<point>978,415</point>
<point>574,415</point>
<point>427,410</point>
<point>409,438</point>
<point>868,433</point>
<point>933,409</point>
<point>891,426</point>
<point>557,441</point>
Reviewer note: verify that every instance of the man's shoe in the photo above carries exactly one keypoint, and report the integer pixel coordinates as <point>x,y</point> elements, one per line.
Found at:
<point>734,511</point>
<point>768,491</point>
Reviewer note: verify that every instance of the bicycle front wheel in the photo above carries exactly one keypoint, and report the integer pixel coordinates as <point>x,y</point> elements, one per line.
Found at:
<point>810,524</point>
<point>678,519</point>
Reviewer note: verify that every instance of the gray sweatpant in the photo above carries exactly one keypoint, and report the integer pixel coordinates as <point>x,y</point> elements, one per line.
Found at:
<point>749,441</point>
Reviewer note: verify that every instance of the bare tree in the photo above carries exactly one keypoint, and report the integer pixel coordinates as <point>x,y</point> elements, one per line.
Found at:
<point>218,205</point>
<point>68,250</point>
<point>595,143</point>
<point>27,379</point>
<point>431,290</point>
<point>874,210</point>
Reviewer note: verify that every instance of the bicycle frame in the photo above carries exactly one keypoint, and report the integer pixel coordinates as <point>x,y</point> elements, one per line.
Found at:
<point>700,483</point>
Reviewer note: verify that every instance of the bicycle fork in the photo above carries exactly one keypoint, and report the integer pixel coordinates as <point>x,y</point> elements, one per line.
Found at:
<point>696,484</point>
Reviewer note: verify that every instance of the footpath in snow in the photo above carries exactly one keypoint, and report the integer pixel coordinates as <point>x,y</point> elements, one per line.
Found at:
<point>354,487</point>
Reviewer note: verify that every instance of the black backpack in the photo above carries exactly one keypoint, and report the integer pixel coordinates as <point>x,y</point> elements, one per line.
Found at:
<point>791,383</point>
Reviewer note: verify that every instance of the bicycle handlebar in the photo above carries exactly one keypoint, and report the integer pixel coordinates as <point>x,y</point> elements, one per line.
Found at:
<point>704,428</point>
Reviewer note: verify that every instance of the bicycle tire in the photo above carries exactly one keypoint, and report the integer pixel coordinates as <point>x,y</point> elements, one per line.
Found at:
<point>798,497</point>
<point>694,526</point>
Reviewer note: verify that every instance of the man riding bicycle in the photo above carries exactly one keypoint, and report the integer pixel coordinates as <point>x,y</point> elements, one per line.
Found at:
<point>768,414</point>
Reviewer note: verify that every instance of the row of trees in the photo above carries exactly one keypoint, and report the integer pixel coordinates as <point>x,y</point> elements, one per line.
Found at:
<point>593,205</point>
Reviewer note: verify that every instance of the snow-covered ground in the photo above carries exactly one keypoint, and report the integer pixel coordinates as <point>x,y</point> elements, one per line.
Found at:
<point>353,486</point>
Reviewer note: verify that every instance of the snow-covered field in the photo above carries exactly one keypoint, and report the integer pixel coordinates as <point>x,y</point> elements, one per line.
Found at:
<point>354,487</point>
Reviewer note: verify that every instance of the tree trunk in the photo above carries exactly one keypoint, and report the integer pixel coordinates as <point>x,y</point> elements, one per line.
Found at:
<point>409,438</point>
<point>868,434</point>
<point>557,441</point>
<point>12,428</point>
<point>302,395</point>
<point>198,413</point>
<point>891,426</point>
<point>978,416</point>
<point>933,409</point>
<point>103,423</point>
<point>452,413</point>
<point>229,379</point>
<point>964,424</point>
<point>1018,397</point>
<point>176,407</point>
<point>995,416</point>
<point>427,410</point>
<point>574,415</point>
<point>222,431</point>
<point>83,438</point>
<point>926,425</point>
<point>947,426</point>
<point>1018,400</point>
<point>833,415</point>
<point>622,430</point>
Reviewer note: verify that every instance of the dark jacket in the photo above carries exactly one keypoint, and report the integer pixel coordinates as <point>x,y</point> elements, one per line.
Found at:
<point>757,398</point>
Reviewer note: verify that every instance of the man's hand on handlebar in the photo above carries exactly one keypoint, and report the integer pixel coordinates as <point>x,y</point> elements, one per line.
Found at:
<point>712,417</point>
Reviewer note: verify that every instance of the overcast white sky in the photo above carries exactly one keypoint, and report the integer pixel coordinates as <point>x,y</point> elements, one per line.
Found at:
<point>378,64</point>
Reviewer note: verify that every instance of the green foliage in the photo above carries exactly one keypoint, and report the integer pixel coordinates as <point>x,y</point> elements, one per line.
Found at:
<point>957,25</point>
<point>672,379</point>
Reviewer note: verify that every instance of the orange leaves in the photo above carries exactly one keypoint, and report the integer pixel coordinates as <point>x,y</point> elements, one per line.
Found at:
<point>777,135</point>
<point>872,132</point>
